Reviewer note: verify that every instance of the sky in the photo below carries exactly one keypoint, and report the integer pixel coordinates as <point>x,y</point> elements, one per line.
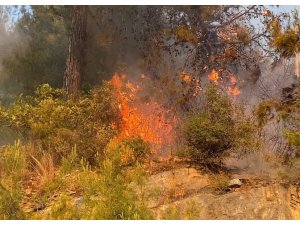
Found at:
<point>285,8</point>
<point>277,10</point>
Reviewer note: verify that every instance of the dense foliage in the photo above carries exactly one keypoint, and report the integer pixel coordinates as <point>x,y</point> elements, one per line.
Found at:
<point>285,39</point>
<point>12,166</point>
<point>218,128</point>
<point>55,125</point>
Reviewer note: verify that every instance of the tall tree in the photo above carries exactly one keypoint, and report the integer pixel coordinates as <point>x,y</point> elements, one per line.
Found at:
<point>34,48</point>
<point>76,52</point>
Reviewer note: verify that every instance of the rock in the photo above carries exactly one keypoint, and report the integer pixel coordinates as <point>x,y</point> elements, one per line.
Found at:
<point>78,203</point>
<point>235,183</point>
<point>175,181</point>
<point>269,203</point>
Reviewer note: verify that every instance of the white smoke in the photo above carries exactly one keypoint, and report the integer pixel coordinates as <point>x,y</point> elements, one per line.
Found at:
<point>12,40</point>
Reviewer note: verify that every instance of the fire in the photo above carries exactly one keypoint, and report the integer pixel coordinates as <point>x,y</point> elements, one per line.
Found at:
<point>214,76</point>
<point>185,77</point>
<point>232,89</point>
<point>138,119</point>
<point>233,80</point>
<point>235,91</point>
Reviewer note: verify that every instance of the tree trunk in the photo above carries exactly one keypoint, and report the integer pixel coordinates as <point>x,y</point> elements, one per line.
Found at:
<point>76,52</point>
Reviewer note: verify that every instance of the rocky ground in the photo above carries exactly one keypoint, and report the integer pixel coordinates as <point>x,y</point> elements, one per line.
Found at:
<point>179,190</point>
<point>247,197</point>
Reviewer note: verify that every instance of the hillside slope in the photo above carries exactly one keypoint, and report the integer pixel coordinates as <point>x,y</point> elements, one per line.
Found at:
<point>187,189</point>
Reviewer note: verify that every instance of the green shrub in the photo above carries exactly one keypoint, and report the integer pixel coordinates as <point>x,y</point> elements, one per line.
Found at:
<point>109,193</point>
<point>206,138</point>
<point>284,38</point>
<point>140,148</point>
<point>192,210</point>
<point>219,182</point>
<point>63,209</point>
<point>69,163</point>
<point>217,128</point>
<point>187,211</point>
<point>289,172</point>
<point>12,166</point>
<point>172,212</point>
<point>290,113</point>
<point>293,138</point>
<point>55,125</point>
<point>246,131</point>
<point>10,204</point>
<point>12,161</point>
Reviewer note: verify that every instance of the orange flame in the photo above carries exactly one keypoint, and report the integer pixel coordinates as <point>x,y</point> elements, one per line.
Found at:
<point>185,76</point>
<point>232,89</point>
<point>146,120</point>
<point>233,80</point>
<point>235,91</point>
<point>214,76</point>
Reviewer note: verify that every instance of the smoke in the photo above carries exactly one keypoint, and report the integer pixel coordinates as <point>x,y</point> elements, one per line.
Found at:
<point>256,86</point>
<point>266,82</point>
<point>254,163</point>
<point>13,42</point>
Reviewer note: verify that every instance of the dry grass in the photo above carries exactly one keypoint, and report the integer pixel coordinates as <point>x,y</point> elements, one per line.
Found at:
<point>219,182</point>
<point>44,168</point>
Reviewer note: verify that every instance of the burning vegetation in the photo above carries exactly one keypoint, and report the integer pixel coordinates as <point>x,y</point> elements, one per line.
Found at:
<point>232,88</point>
<point>147,120</point>
<point>155,124</point>
<point>113,135</point>
<point>84,144</point>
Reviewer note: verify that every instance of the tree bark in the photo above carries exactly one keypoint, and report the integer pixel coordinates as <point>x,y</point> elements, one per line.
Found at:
<point>76,52</point>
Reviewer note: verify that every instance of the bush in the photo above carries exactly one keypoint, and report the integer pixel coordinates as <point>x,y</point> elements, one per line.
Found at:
<point>187,211</point>
<point>63,209</point>
<point>12,161</point>
<point>293,138</point>
<point>69,163</point>
<point>172,212</point>
<point>10,204</point>
<point>219,182</point>
<point>55,125</point>
<point>217,128</point>
<point>291,116</point>
<point>290,171</point>
<point>12,166</point>
<point>140,148</point>
<point>192,210</point>
<point>111,193</point>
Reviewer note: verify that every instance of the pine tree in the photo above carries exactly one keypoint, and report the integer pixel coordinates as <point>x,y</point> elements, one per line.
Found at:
<point>76,52</point>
